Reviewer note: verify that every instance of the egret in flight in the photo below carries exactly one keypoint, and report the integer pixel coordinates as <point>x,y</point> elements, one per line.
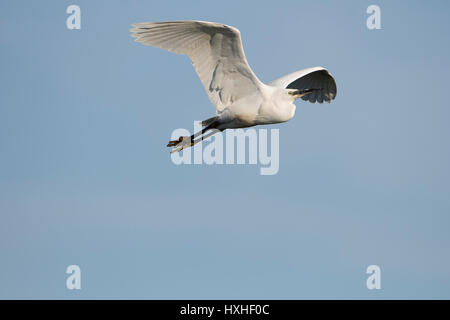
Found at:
<point>240,98</point>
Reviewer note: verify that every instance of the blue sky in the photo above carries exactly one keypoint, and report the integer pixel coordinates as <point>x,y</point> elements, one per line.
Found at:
<point>86,179</point>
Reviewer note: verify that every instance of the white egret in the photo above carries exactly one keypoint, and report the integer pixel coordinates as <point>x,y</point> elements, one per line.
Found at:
<point>240,98</point>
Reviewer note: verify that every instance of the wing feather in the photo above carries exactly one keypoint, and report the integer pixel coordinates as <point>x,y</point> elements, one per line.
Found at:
<point>215,51</point>
<point>311,78</point>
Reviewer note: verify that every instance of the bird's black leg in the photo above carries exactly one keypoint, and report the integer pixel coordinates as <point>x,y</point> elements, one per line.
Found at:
<point>211,126</point>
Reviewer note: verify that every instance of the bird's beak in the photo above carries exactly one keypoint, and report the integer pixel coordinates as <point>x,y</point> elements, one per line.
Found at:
<point>301,93</point>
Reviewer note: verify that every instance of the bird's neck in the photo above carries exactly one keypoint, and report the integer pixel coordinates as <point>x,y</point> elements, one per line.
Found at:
<point>285,105</point>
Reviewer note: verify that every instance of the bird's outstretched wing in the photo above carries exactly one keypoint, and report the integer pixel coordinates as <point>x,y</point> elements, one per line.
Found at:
<point>215,51</point>
<point>311,78</point>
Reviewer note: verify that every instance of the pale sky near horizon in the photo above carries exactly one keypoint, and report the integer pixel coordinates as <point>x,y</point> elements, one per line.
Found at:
<point>86,179</point>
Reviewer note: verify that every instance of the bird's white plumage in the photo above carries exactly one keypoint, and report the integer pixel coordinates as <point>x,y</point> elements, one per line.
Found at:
<point>240,98</point>
<point>215,51</point>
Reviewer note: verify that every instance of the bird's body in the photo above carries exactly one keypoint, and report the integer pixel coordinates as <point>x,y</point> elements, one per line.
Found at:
<point>240,98</point>
<point>268,105</point>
